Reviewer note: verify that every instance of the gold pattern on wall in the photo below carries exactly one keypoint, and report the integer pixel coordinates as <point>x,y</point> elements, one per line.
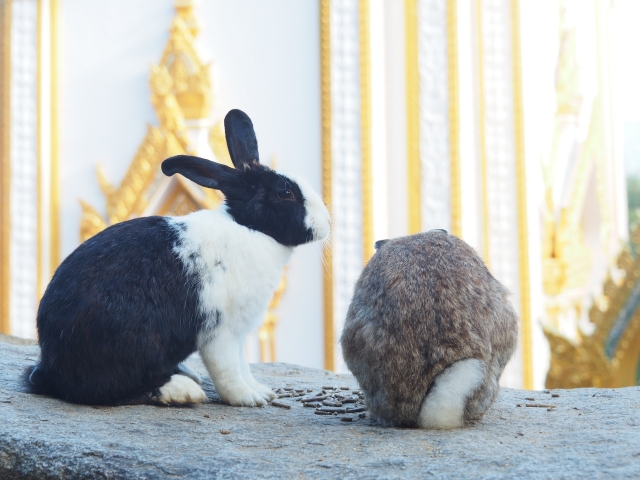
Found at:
<point>180,92</point>
<point>177,83</point>
<point>566,257</point>
<point>610,356</point>
<point>266,334</point>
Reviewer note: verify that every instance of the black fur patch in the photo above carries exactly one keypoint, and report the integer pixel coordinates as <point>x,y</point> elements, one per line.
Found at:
<point>253,201</point>
<point>118,316</point>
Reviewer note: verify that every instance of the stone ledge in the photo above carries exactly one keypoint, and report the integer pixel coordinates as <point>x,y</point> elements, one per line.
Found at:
<point>591,433</point>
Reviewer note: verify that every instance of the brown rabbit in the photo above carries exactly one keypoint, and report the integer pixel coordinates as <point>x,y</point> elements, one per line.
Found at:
<point>428,332</point>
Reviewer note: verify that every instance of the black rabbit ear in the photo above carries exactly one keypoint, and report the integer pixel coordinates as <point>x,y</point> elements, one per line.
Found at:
<point>241,139</point>
<point>204,172</point>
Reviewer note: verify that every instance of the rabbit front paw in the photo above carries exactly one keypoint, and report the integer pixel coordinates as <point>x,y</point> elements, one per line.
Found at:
<point>265,391</point>
<point>243,397</point>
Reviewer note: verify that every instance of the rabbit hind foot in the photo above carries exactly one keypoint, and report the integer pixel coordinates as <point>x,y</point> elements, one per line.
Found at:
<point>180,390</point>
<point>444,406</point>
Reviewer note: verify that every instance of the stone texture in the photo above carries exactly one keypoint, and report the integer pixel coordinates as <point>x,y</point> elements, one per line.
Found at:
<point>592,434</point>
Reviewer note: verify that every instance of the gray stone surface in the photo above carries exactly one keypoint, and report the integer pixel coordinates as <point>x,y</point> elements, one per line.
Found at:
<point>592,434</point>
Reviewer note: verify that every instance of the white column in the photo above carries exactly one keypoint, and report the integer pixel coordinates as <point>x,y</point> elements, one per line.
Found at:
<point>434,115</point>
<point>346,156</point>
<point>24,169</point>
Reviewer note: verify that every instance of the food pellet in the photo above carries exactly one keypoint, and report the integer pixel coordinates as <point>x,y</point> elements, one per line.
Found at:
<point>555,395</point>
<point>225,432</point>
<point>346,419</point>
<point>355,410</point>
<point>280,404</point>
<point>206,415</point>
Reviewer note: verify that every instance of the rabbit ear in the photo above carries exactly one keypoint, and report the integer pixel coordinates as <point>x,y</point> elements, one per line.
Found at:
<point>199,170</point>
<point>241,139</point>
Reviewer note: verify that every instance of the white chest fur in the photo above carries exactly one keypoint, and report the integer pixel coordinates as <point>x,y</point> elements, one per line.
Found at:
<point>238,269</point>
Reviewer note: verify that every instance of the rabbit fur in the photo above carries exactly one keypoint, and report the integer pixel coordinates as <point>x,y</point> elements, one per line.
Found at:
<point>131,303</point>
<point>428,332</point>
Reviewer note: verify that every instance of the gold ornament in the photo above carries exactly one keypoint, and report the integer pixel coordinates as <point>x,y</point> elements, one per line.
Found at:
<point>180,91</point>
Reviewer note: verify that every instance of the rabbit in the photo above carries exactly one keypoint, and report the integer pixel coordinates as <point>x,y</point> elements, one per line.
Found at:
<point>131,303</point>
<point>428,332</point>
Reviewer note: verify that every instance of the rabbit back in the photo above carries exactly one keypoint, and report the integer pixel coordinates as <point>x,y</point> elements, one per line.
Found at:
<point>421,304</point>
<point>118,315</point>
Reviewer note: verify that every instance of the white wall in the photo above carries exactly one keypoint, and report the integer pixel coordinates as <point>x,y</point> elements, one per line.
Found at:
<point>265,61</point>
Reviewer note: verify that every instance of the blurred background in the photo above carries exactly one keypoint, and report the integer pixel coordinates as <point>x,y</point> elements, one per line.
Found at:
<point>514,124</point>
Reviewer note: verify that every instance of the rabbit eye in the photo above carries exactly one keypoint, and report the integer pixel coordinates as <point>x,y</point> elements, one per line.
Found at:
<point>286,194</point>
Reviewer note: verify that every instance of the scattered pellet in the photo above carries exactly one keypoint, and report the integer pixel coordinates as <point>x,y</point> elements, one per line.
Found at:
<point>309,390</point>
<point>275,403</point>
<point>345,388</point>
<point>363,415</point>
<point>555,395</point>
<point>225,432</point>
<point>206,415</point>
<point>332,409</point>
<point>540,405</point>
<point>312,405</point>
<point>348,400</point>
<point>519,405</point>
<point>328,388</point>
<point>550,409</point>
<point>530,399</point>
<point>547,391</point>
<point>321,412</point>
<point>288,389</point>
<point>317,398</point>
<point>346,419</point>
<point>357,392</point>
<point>331,403</point>
<point>284,395</point>
<point>355,410</point>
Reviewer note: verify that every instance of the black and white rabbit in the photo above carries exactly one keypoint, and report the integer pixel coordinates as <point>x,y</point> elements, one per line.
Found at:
<point>130,304</point>
<point>428,332</point>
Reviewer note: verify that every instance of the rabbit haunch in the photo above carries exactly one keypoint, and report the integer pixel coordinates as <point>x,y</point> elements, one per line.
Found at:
<point>130,304</point>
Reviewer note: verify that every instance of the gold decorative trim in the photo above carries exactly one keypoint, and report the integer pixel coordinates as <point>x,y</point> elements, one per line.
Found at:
<point>266,332</point>
<point>5,163</point>
<point>364,20</point>
<point>54,202</point>
<point>413,116</point>
<point>327,194</point>
<point>482,135</point>
<point>180,89</point>
<point>610,357</point>
<point>454,116</point>
<point>521,181</point>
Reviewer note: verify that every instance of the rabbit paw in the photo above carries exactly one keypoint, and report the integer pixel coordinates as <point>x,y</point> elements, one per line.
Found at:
<point>244,397</point>
<point>265,391</point>
<point>180,390</point>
